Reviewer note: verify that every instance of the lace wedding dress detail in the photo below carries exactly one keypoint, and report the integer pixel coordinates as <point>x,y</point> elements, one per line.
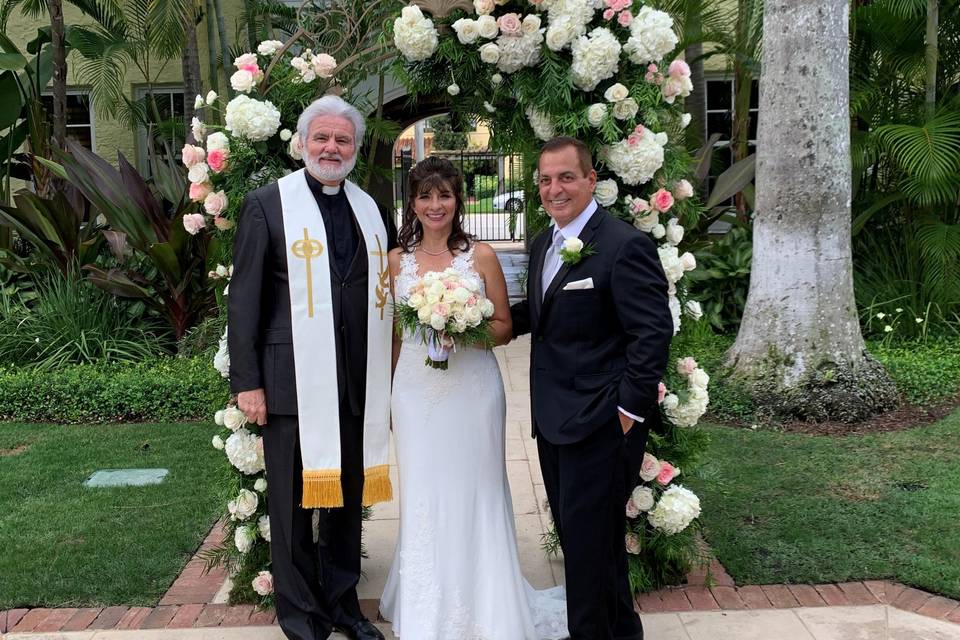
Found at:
<point>456,573</point>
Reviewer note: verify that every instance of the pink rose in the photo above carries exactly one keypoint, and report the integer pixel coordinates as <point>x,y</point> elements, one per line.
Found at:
<point>254,69</point>
<point>639,129</point>
<point>661,389</point>
<point>263,583</point>
<point>441,309</point>
<point>221,223</point>
<point>324,65</point>
<point>510,24</point>
<point>625,18</point>
<point>631,510</point>
<point>608,14</point>
<point>678,68</point>
<point>194,223</point>
<point>667,473</point>
<point>672,88</point>
<point>652,68</point>
<point>215,203</point>
<point>199,191</point>
<point>192,155</point>
<point>244,60</point>
<point>632,542</point>
<point>662,200</point>
<point>686,366</point>
<point>683,190</point>
<point>649,468</point>
<point>217,160</point>
<point>634,139</point>
<point>640,205</point>
<point>536,3</point>
<point>619,5</point>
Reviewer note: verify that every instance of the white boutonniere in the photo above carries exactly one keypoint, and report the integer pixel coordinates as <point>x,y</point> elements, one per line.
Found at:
<point>573,251</point>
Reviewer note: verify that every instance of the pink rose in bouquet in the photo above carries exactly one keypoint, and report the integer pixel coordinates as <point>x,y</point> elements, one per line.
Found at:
<point>263,583</point>
<point>199,191</point>
<point>667,473</point>
<point>649,468</point>
<point>662,200</point>
<point>510,24</point>
<point>194,223</point>
<point>217,159</point>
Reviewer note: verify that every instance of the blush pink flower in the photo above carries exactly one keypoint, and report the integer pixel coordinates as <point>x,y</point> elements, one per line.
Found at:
<point>215,203</point>
<point>683,190</point>
<point>263,583</point>
<point>634,139</point>
<point>221,223</point>
<point>194,223</point>
<point>192,155</point>
<point>678,68</point>
<point>632,543</point>
<point>625,18</point>
<point>686,366</point>
<point>324,65</point>
<point>253,68</point>
<point>639,129</point>
<point>217,159</point>
<point>199,191</point>
<point>661,389</point>
<point>631,510</point>
<point>667,473</point>
<point>510,24</point>
<point>649,468</point>
<point>640,205</point>
<point>662,200</point>
<point>608,14</point>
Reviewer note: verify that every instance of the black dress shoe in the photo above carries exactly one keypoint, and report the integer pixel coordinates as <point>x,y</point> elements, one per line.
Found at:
<point>363,630</point>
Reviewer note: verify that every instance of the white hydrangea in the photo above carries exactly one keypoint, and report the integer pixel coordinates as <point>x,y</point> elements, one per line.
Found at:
<point>221,361</point>
<point>414,34</point>
<point>269,47</point>
<point>637,158</point>
<point>518,52</point>
<point>243,537</point>
<point>245,451</point>
<point>678,507</point>
<point>651,36</point>
<point>606,192</point>
<point>252,119</point>
<point>541,123</point>
<point>596,57</point>
<point>567,20</point>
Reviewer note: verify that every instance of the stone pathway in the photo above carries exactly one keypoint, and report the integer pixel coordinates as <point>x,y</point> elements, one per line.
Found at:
<point>195,605</point>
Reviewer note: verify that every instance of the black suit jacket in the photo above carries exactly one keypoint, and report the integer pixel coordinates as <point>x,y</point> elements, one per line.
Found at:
<point>596,349</point>
<point>260,338</point>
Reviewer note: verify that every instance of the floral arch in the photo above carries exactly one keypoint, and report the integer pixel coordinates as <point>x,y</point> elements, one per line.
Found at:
<point>604,71</point>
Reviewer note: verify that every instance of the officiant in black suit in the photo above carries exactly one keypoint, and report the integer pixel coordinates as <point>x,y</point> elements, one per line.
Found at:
<point>315,585</point>
<point>600,329</point>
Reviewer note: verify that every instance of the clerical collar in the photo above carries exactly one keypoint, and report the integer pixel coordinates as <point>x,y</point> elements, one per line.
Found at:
<point>318,187</point>
<point>331,191</point>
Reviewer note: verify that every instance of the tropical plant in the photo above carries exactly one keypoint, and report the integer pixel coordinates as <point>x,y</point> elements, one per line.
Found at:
<point>720,283</point>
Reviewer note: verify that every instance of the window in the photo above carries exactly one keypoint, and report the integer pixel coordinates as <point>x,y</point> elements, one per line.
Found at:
<point>170,128</point>
<point>720,95</point>
<point>79,117</point>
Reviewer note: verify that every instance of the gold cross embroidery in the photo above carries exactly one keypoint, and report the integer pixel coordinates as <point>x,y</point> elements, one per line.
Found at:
<point>384,283</point>
<point>307,249</point>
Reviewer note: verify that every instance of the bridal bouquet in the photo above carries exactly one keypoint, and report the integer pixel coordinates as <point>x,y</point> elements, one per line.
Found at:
<point>445,309</point>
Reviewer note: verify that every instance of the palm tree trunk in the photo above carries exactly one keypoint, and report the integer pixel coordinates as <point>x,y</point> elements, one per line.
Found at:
<point>933,11</point>
<point>190,65</point>
<point>250,8</point>
<point>799,349</point>
<point>224,46</point>
<point>742,90</point>
<point>59,81</point>
<point>213,77</point>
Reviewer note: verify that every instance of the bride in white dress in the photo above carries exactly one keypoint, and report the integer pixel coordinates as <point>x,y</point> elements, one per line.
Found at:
<point>456,573</point>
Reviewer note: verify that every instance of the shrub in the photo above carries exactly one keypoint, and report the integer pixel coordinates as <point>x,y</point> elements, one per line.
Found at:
<point>924,373</point>
<point>160,390</point>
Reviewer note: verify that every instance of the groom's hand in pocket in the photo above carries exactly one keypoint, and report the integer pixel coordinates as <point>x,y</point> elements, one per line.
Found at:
<point>253,403</point>
<point>626,422</point>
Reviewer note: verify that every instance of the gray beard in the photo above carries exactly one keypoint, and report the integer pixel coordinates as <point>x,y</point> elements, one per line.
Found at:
<point>321,173</point>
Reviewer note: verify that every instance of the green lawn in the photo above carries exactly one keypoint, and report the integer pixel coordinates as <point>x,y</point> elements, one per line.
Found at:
<point>803,509</point>
<point>66,545</point>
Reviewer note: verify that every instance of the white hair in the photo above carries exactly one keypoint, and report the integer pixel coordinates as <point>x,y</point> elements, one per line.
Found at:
<point>332,106</point>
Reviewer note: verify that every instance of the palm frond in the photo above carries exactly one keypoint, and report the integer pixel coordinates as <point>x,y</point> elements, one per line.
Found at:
<point>928,154</point>
<point>102,66</point>
<point>166,25</point>
<point>940,250</point>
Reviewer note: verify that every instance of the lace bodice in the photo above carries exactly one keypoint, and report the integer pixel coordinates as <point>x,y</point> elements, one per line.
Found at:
<point>410,271</point>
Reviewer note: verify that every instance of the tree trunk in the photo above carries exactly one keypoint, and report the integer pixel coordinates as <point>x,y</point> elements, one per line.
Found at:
<point>213,72</point>
<point>799,348</point>
<point>696,103</point>
<point>190,65</point>
<point>742,90</point>
<point>250,8</point>
<point>59,81</point>
<point>933,19</point>
<point>224,44</point>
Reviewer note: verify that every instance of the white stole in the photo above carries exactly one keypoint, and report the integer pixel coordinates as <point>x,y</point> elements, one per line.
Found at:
<point>315,349</point>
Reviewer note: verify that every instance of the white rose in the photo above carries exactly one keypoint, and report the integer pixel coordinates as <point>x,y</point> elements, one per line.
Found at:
<point>625,109</point>
<point>694,310</point>
<point>285,135</point>
<point>487,308</point>
<point>437,321</point>
<point>642,498</point>
<point>674,232</point>
<point>269,47</point>
<point>461,295</point>
<point>243,537</point>
<point>218,141</point>
<point>242,81</point>
<point>263,524</point>
<point>559,34</point>
<point>616,93</point>
<point>606,192</point>
<point>197,128</point>
<point>218,418</point>
<point>217,443</point>
<point>670,402</point>
<point>573,245</point>
<point>531,23</point>
<point>424,313</point>
<point>233,418</point>
<point>659,231</point>
<point>260,485</point>
<point>416,300</point>
<point>467,30</point>
<point>211,97</point>
<point>198,102</point>
<point>483,7</point>
<point>648,222</point>
<point>490,53</point>
<point>596,113</point>
<point>199,172</point>
<point>453,89</point>
<point>244,505</point>
<point>688,261</point>
<point>685,120</point>
<point>473,316</point>
<point>699,379</point>
<point>487,27</point>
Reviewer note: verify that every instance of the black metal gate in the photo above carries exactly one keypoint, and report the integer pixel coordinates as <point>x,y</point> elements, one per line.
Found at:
<point>493,188</point>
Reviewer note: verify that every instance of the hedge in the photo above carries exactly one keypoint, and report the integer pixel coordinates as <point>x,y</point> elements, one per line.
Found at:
<point>163,390</point>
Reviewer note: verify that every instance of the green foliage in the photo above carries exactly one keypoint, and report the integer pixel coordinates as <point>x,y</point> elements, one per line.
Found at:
<point>162,389</point>
<point>72,322</point>
<point>444,137</point>
<point>722,278</point>
<point>924,373</point>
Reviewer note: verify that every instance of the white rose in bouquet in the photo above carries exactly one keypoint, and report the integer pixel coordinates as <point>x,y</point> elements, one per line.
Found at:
<point>573,245</point>
<point>217,443</point>
<point>688,261</point>
<point>218,141</point>
<point>674,231</point>
<point>490,53</point>
<point>625,109</point>
<point>642,498</point>
<point>467,30</point>
<point>243,537</point>
<point>606,192</point>
<point>483,7</point>
<point>678,507</point>
<point>198,102</point>
<point>243,81</point>
<point>221,361</point>
<point>244,505</point>
<point>199,172</point>
<point>616,93</point>
<point>269,47</point>
<point>260,485</point>
<point>212,97</point>
<point>487,27</point>
<point>197,128</point>
<point>596,113</point>
<point>531,23</point>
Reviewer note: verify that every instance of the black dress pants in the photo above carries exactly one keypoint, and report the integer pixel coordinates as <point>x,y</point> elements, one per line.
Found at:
<point>587,485</point>
<point>315,584</point>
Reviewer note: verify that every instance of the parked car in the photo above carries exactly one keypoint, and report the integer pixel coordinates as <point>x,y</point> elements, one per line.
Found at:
<point>511,202</point>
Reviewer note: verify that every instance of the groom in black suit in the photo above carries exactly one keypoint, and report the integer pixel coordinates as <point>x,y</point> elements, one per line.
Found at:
<point>600,327</point>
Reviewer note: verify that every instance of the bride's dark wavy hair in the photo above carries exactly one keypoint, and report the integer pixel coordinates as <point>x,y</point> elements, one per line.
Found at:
<point>427,175</point>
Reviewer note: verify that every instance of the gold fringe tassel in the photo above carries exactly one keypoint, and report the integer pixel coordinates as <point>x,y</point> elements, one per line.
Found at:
<point>376,485</point>
<point>322,488</point>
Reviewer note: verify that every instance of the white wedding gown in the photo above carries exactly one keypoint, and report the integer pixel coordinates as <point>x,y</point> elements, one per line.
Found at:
<point>456,573</point>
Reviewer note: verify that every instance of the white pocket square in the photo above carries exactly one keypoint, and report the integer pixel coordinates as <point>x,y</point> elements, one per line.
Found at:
<point>577,285</point>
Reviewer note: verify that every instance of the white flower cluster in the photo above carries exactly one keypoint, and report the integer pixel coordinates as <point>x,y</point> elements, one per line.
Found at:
<point>248,73</point>
<point>269,47</point>
<point>567,20</point>
<point>245,451</point>
<point>312,65</point>
<point>541,123</point>
<point>221,361</point>
<point>414,34</point>
<point>651,36</point>
<point>677,508</point>
<point>252,119</point>
<point>637,158</point>
<point>244,505</point>
<point>447,301</point>
<point>674,266</point>
<point>243,537</point>
<point>688,413</point>
<point>520,50</point>
<point>596,57</point>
